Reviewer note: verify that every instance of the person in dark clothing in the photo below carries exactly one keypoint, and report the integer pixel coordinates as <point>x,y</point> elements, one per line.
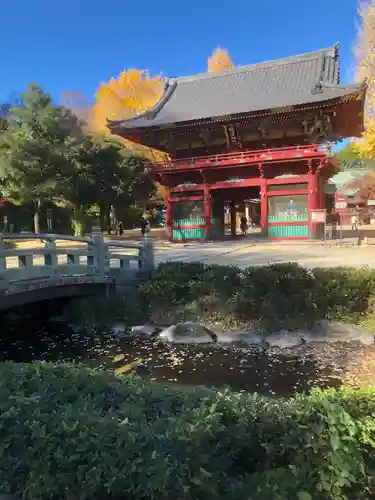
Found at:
<point>120,228</point>
<point>145,226</point>
<point>243,225</point>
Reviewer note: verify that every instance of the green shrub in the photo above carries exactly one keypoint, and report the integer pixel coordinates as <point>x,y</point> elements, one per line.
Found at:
<point>265,297</point>
<point>268,298</point>
<point>100,312</point>
<point>345,293</point>
<point>69,432</point>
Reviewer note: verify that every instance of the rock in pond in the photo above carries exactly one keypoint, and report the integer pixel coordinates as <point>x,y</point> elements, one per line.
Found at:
<point>338,332</point>
<point>284,339</point>
<point>146,331</point>
<point>188,333</point>
<point>243,337</point>
<point>118,330</point>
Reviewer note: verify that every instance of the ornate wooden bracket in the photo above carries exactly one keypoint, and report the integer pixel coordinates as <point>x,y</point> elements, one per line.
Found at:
<point>261,170</point>
<point>205,135</point>
<point>232,137</point>
<point>263,129</point>
<point>203,175</point>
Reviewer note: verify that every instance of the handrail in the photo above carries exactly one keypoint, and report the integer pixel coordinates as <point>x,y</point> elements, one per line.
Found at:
<point>123,244</point>
<point>44,237</point>
<point>260,153</point>
<point>25,265</point>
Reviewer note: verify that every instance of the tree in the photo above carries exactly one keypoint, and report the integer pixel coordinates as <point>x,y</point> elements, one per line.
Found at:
<point>79,105</point>
<point>364,185</point>
<point>349,158</point>
<point>4,114</point>
<point>33,149</point>
<point>133,92</point>
<point>219,60</point>
<point>365,69</point>
<point>99,175</point>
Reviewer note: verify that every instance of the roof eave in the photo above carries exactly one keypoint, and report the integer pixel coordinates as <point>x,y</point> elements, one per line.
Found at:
<point>129,127</point>
<point>150,114</point>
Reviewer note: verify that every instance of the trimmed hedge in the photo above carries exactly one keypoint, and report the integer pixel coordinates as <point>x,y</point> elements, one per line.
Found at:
<point>265,297</point>
<point>72,433</point>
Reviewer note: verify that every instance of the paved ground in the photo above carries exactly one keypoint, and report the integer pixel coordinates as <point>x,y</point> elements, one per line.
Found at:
<point>242,254</point>
<point>255,251</point>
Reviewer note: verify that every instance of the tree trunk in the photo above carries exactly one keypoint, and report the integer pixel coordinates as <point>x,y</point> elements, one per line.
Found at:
<point>78,221</point>
<point>103,217</point>
<point>37,210</point>
<point>112,219</point>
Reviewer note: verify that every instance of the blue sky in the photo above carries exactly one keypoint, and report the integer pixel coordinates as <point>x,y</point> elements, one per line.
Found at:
<point>76,44</point>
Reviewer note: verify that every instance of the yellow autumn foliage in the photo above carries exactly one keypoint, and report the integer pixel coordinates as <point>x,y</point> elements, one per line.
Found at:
<point>133,92</point>
<point>365,69</point>
<point>219,60</point>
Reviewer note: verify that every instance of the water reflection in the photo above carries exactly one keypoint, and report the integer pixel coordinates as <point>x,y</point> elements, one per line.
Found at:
<point>30,336</point>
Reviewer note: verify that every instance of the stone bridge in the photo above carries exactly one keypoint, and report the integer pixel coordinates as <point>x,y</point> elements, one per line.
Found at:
<point>52,266</point>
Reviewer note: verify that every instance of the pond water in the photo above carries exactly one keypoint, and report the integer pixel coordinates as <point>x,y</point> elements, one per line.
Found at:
<point>29,335</point>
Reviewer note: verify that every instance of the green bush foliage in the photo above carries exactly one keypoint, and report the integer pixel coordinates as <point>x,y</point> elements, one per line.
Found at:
<point>69,432</point>
<point>265,297</point>
<point>100,312</point>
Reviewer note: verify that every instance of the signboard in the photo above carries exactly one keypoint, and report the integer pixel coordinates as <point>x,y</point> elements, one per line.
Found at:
<point>340,206</point>
<point>318,216</point>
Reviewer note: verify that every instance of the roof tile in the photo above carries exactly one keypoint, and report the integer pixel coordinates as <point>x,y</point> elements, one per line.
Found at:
<point>295,80</point>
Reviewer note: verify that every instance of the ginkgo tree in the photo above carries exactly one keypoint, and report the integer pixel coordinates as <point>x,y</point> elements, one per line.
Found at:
<point>218,60</point>
<point>132,93</point>
<point>365,69</point>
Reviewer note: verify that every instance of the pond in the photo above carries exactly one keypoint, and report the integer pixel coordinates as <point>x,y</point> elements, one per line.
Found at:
<point>30,335</point>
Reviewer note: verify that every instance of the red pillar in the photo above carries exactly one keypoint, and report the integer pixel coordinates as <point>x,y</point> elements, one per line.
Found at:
<point>233,219</point>
<point>169,215</point>
<point>313,202</point>
<point>263,205</point>
<point>207,211</point>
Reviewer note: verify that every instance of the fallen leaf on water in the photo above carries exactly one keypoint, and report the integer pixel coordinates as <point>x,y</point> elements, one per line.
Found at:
<point>129,367</point>
<point>119,357</point>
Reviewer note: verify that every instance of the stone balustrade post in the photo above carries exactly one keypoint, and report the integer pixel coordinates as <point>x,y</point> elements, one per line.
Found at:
<point>50,258</point>
<point>147,253</point>
<point>100,251</point>
<point>2,263</point>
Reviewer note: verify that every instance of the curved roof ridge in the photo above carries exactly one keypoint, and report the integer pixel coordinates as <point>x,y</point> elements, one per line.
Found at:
<point>333,49</point>
<point>344,86</point>
<point>169,88</point>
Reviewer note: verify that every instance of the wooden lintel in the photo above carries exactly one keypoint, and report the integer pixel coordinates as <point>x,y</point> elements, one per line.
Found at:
<point>179,199</point>
<point>287,192</point>
<point>288,180</point>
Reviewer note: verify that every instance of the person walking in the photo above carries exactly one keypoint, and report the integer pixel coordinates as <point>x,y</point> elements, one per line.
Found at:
<point>243,225</point>
<point>145,226</point>
<point>354,223</point>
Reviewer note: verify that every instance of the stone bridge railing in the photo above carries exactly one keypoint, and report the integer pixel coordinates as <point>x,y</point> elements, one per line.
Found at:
<point>52,259</point>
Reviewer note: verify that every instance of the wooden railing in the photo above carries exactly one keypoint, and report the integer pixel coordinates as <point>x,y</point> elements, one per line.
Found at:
<point>53,258</point>
<point>250,156</point>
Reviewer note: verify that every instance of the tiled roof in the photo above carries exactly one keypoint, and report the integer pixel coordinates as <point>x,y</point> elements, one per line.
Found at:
<point>296,80</point>
<point>341,181</point>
